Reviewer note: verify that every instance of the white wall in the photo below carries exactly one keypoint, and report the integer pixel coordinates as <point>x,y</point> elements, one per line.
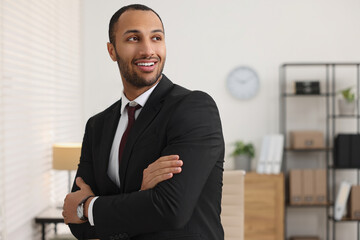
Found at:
<point>206,39</point>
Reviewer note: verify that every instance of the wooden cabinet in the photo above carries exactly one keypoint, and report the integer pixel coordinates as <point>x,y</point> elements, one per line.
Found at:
<point>232,204</point>
<point>264,206</point>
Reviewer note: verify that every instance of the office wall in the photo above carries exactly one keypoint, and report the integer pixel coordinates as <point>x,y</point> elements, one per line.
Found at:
<point>206,39</point>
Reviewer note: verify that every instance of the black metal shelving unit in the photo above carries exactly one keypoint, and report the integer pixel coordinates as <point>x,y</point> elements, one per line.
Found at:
<point>329,94</point>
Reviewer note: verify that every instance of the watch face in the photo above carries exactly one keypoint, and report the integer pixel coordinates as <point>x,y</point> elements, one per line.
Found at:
<point>80,211</point>
<point>243,83</point>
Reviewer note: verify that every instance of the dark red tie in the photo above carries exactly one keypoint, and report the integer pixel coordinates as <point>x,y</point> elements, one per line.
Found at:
<point>131,120</point>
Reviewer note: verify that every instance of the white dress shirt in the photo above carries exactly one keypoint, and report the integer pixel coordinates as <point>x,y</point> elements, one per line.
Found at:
<point>113,169</point>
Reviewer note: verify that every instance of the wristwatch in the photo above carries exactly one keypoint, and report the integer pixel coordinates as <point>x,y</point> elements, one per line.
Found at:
<point>80,208</point>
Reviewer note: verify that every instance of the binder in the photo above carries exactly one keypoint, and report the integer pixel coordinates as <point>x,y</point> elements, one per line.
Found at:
<point>296,193</point>
<point>347,151</point>
<point>341,200</point>
<point>355,151</point>
<point>354,206</point>
<point>320,186</point>
<point>271,154</point>
<point>308,186</point>
<point>263,155</point>
<point>278,153</point>
<point>342,151</point>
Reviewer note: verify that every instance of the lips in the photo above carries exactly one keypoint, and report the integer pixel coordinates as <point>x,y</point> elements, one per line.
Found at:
<point>149,64</point>
<point>146,65</point>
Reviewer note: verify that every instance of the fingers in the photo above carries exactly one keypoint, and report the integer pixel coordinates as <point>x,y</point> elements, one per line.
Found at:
<point>160,174</point>
<point>65,220</point>
<point>165,162</point>
<point>167,158</point>
<point>85,190</point>
<point>167,170</point>
<point>80,183</point>
<point>162,169</point>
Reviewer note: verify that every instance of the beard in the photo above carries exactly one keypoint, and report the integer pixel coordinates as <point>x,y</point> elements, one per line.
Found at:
<point>133,78</point>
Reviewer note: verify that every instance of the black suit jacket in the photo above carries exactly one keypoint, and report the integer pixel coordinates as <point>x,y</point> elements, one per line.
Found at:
<point>173,121</point>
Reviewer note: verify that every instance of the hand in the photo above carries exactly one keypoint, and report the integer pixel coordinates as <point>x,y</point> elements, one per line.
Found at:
<point>160,170</point>
<point>72,201</point>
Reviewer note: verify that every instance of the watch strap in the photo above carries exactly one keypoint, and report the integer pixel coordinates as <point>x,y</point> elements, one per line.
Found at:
<point>81,204</point>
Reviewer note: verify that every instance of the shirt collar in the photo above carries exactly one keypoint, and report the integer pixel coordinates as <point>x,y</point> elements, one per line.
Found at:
<point>141,100</point>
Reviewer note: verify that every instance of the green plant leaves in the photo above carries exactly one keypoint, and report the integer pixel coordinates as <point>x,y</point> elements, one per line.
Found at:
<point>243,149</point>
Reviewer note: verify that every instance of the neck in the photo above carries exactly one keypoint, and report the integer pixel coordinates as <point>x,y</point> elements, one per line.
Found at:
<point>131,92</point>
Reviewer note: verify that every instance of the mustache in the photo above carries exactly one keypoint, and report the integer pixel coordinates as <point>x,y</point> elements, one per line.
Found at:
<point>147,58</point>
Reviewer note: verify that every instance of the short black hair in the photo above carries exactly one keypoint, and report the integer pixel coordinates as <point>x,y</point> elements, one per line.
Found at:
<point>119,12</point>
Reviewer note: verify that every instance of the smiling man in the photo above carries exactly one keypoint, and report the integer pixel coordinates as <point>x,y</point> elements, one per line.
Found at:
<point>151,164</point>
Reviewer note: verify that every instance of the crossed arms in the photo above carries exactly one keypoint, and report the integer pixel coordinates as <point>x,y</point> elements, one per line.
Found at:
<point>193,133</point>
<point>160,170</point>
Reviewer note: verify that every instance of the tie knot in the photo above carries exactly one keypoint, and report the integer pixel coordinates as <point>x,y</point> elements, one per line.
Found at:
<point>131,110</point>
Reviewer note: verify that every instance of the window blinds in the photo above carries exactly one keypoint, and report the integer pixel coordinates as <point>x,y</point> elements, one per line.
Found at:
<point>40,104</point>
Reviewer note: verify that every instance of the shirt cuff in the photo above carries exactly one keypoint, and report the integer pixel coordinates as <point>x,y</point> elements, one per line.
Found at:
<point>90,211</point>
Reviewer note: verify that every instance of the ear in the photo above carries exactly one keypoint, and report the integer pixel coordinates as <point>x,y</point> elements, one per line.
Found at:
<point>111,50</point>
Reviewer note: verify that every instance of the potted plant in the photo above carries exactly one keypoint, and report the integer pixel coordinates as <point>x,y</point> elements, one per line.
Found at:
<point>347,102</point>
<point>243,153</point>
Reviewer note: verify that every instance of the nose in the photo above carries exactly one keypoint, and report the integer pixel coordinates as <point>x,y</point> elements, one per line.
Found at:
<point>147,49</point>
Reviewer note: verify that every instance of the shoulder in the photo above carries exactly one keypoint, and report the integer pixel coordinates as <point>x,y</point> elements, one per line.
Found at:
<point>181,94</point>
<point>173,93</point>
<point>184,105</point>
<point>194,98</point>
<point>101,116</point>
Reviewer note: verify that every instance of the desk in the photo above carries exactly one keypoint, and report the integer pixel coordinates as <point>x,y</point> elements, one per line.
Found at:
<point>50,215</point>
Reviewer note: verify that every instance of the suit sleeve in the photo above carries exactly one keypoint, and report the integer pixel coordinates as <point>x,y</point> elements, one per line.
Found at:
<point>194,133</point>
<point>85,170</point>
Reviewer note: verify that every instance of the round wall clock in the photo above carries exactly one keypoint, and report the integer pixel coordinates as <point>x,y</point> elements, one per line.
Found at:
<point>243,83</point>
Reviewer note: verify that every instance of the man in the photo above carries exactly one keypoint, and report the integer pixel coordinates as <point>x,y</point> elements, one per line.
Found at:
<point>143,190</point>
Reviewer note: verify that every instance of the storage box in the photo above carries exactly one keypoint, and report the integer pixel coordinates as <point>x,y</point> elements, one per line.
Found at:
<point>354,203</point>
<point>306,139</point>
<point>320,186</point>
<point>347,151</point>
<point>307,87</point>
<point>296,195</point>
<point>308,186</point>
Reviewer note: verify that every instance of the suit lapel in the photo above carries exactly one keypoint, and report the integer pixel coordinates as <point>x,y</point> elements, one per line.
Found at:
<point>146,116</point>
<point>109,129</point>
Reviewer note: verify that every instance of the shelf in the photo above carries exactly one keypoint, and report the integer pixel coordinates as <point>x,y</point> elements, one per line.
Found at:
<point>314,64</point>
<point>344,219</point>
<point>308,205</point>
<point>308,150</point>
<point>330,118</point>
<point>306,95</point>
<point>344,168</point>
<point>344,116</point>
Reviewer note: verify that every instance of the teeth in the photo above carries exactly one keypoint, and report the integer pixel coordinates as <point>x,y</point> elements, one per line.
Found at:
<point>146,64</point>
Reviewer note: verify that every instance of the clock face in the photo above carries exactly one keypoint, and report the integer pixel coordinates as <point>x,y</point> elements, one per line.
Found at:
<point>243,83</point>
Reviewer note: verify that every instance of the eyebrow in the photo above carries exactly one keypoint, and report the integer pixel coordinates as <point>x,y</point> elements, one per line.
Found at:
<point>137,31</point>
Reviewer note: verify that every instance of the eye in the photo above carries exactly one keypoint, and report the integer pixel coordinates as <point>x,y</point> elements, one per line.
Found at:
<point>133,39</point>
<point>156,38</point>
